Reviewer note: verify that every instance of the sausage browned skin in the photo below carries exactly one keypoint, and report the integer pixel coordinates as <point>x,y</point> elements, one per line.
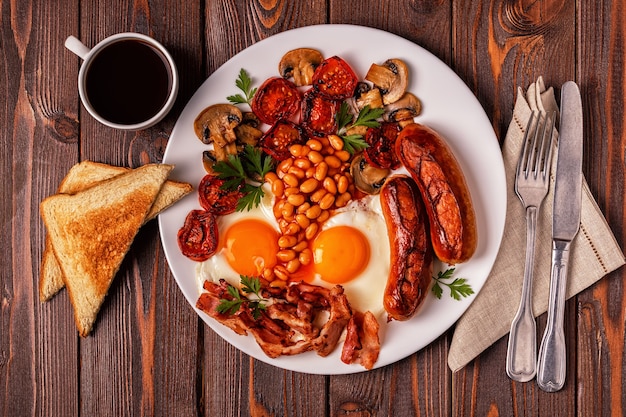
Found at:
<point>444,191</point>
<point>411,263</point>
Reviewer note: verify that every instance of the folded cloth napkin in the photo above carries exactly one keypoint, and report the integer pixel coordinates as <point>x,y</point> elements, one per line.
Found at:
<point>594,251</point>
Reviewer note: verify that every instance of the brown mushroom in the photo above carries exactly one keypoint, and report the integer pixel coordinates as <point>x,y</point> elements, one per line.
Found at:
<point>367,178</point>
<point>300,64</point>
<point>209,159</point>
<point>392,78</point>
<point>248,132</point>
<point>216,124</point>
<point>406,108</point>
<point>367,96</point>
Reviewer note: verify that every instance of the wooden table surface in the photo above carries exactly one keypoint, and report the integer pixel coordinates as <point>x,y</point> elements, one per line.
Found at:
<point>150,353</point>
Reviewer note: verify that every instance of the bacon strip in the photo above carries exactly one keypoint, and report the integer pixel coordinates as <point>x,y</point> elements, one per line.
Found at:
<point>288,325</point>
<point>362,344</point>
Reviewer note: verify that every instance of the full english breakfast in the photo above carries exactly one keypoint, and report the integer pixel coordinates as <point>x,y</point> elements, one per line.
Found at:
<point>330,199</point>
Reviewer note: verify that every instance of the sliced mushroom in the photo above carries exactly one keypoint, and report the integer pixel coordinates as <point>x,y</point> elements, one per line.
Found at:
<point>367,96</point>
<point>367,178</point>
<point>216,124</point>
<point>406,108</point>
<point>208,161</point>
<point>300,64</point>
<point>248,132</point>
<point>392,78</point>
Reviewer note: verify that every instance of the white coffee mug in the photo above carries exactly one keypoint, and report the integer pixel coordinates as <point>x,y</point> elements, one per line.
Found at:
<point>127,81</point>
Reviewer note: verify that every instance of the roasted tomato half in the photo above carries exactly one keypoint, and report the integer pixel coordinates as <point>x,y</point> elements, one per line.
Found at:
<point>214,199</point>
<point>276,141</point>
<point>318,113</point>
<point>381,140</point>
<point>276,99</point>
<point>335,79</point>
<point>198,238</point>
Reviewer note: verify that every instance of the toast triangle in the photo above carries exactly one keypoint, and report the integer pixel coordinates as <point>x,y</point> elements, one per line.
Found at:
<point>91,232</point>
<point>81,176</point>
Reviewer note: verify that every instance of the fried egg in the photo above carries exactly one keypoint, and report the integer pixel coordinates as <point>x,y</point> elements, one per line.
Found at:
<point>248,242</point>
<point>351,249</point>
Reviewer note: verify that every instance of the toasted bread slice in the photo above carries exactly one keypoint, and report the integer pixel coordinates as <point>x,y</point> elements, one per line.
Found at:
<point>91,232</point>
<point>80,177</point>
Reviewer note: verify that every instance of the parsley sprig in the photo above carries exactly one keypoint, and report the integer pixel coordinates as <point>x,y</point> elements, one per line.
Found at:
<point>458,288</point>
<point>249,285</point>
<point>367,117</point>
<point>248,169</point>
<point>244,83</point>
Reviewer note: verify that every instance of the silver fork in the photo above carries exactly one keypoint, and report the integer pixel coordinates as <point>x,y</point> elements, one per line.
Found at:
<point>532,181</point>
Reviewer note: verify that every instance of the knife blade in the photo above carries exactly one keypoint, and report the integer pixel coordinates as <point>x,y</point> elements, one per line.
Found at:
<point>551,364</point>
<point>568,185</point>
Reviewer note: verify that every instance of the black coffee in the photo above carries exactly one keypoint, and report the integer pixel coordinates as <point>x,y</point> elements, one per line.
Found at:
<point>128,82</point>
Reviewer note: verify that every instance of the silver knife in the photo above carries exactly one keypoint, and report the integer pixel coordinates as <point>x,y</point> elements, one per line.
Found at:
<point>565,224</point>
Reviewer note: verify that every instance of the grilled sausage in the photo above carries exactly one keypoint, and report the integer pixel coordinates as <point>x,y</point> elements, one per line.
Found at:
<point>444,191</point>
<point>411,252</point>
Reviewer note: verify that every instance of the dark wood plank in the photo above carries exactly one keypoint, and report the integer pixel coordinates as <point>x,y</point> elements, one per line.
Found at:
<point>38,346</point>
<point>236,383</point>
<point>601,324</point>
<point>500,46</point>
<point>415,386</point>
<point>427,23</point>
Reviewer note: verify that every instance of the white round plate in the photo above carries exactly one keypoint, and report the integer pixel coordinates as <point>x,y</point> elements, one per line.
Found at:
<point>449,107</point>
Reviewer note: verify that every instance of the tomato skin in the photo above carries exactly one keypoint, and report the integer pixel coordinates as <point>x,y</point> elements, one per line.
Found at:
<point>214,199</point>
<point>381,152</point>
<point>198,239</point>
<point>318,113</point>
<point>276,141</point>
<point>335,79</point>
<point>277,98</point>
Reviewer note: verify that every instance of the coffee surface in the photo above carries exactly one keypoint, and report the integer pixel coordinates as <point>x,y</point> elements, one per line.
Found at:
<point>128,82</point>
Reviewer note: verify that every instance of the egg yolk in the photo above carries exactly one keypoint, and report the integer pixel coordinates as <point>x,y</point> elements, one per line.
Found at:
<point>250,246</point>
<point>340,254</point>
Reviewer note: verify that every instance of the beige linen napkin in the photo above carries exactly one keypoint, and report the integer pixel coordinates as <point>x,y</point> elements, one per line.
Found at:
<point>594,252</point>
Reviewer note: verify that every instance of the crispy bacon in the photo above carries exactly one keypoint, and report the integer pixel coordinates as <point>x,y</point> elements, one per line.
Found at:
<point>290,323</point>
<point>362,344</point>
<point>210,299</point>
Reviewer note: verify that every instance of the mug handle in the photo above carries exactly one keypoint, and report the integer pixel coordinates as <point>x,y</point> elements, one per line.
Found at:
<point>76,46</point>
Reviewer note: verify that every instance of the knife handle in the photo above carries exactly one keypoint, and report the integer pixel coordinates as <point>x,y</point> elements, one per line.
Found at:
<point>552,353</point>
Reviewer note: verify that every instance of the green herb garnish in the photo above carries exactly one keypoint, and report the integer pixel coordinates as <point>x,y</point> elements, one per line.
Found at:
<point>248,169</point>
<point>345,121</point>
<point>244,83</point>
<point>368,117</point>
<point>458,288</point>
<point>249,285</point>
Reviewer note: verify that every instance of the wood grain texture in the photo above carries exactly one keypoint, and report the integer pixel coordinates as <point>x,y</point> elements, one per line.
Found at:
<point>602,309</point>
<point>38,368</point>
<point>150,354</point>
<point>508,44</point>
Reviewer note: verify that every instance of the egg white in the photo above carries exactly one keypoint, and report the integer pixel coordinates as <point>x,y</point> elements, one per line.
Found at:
<point>364,292</point>
<point>217,267</point>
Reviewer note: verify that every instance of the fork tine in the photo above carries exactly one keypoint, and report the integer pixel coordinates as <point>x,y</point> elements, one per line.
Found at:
<point>522,163</point>
<point>546,144</point>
